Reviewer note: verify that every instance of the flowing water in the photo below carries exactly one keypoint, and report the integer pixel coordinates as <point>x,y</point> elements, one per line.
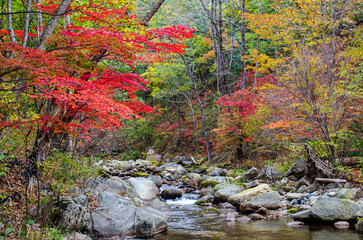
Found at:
<point>185,223</point>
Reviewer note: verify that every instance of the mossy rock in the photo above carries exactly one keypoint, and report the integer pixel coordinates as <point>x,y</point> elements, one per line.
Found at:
<point>199,202</point>
<point>140,174</point>
<point>293,210</point>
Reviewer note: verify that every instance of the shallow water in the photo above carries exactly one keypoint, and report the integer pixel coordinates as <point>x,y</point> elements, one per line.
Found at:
<point>185,223</point>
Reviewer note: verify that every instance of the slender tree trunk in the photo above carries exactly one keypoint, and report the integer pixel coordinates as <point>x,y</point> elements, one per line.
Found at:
<point>26,25</point>
<point>49,29</point>
<point>10,24</point>
<point>258,47</point>
<point>200,103</point>
<point>243,46</point>
<point>39,20</point>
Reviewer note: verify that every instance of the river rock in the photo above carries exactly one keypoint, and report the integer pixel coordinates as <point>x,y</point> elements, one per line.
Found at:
<point>341,225</point>
<point>171,193</point>
<point>256,216</point>
<point>359,226</point>
<point>212,181</point>
<point>295,223</point>
<point>157,180</point>
<point>172,171</point>
<point>115,185</point>
<point>243,219</point>
<point>160,205</point>
<point>222,194</point>
<point>77,236</point>
<point>117,216</point>
<point>269,200</point>
<point>219,172</point>
<point>298,169</point>
<point>302,182</point>
<point>231,216</point>
<point>185,161</point>
<point>71,215</point>
<point>246,195</point>
<point>152,155</point>
<point>269,173</point>
<point>330,209</point>
<point>347,193</point>
<point>303,216</point>
<point>193,176</point>
<point>144,188</point>
<point>250,174</point>
<point>297,196</point>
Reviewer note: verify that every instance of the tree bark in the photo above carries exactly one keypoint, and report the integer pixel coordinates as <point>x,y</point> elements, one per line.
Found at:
<point>10,24</point>
<point>26,26</point>
<point>200,103</point>
<point>49,29</point>
<point>146,20</point>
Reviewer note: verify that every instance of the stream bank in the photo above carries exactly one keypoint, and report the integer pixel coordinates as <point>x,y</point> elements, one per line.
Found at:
<point>181,200</point>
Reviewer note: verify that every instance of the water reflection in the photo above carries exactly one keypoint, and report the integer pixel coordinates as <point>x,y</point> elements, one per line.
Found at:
<point>185,223</point>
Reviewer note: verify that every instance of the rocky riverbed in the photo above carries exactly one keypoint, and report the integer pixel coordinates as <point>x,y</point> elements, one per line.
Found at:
<point>131,199</point>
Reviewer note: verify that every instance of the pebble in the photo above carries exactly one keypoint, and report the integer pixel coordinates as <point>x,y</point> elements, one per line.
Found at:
<point>341,225</point>
<point>295,224</point>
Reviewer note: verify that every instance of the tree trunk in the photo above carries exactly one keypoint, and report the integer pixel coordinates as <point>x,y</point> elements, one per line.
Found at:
<point>200,103</point>
<point>49,29</point>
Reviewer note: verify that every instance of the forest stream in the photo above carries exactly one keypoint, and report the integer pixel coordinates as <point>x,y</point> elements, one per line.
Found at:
<point>185,223</point>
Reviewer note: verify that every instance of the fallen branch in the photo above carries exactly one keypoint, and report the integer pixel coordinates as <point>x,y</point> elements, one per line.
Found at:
<point>330,180</point>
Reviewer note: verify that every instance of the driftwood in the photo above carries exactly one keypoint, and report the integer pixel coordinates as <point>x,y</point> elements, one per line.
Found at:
<point>330,180</point>
<point>317,168</point>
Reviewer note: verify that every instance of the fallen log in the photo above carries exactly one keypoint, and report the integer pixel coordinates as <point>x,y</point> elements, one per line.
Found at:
<point>330,180</point>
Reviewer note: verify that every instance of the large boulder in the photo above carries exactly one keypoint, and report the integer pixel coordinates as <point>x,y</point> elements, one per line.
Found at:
<point>269,173</point>
<point>223,191</point>
<point>252,173</point>
<point>171,171</point>
<point>144,188</point>
<point>212,181</point>
<point>117,216</point>
<point>329,209</point>
<point>246,195</point>
<point>347,193</point>
<point>115,185</point>
<point>269,200</point>
<point>70,214</point>
<point>298,169</point>
<point>171,193</point>
<point>153,156</point>
<point>185,161</point>
<point>219,172</point>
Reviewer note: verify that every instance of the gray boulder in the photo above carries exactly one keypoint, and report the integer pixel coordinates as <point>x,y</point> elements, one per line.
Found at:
<point>302,182</point>
<point>246,195</point>
<point>144,188</point>
<point>157,180</point>
<point>212,181</point>
<point>185,161</point>
<point>303,216</point>
<point>269,173</point>
<point>329,209</point>
<point>171,171</point>
<point>71,215</point>
<point>117,216</point>
<point>298,169</point>
<point>250,174</point>
<point>115,185</point>
<point>219,172</point>
<point>152,155</point>
<point>269,200</point>
<point>171,193</point>
<point>347,193</point>
<point>223,191</point>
